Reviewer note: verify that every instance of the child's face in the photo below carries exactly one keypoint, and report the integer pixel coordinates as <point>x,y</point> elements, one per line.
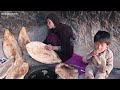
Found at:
<point>100,46</point>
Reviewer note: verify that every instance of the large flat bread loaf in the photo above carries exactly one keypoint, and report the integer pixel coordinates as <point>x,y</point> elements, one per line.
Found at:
<point>38,52</point>
<point>18,70</point>
<point>23,39</point>
<point>66,71</point>
<point>10,45</point>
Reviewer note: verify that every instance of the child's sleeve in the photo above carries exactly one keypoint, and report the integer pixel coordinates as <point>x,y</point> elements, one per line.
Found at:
<point>109,64</point>
<point>87,57</point>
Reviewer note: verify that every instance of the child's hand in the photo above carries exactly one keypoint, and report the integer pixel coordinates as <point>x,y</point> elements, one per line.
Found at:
<point>94,53</point>
<point>102,69</point>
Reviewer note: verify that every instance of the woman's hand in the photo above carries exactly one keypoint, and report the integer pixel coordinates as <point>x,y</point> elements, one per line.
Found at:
<point>49,47</point>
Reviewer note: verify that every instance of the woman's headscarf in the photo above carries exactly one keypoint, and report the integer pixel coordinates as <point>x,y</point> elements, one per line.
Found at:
<point>54,18</point>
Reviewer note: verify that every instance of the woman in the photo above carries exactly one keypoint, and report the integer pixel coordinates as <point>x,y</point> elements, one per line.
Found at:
<point>59,37</point>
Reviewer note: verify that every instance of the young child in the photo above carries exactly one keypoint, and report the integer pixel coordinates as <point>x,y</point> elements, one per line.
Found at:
<point>100,60</point>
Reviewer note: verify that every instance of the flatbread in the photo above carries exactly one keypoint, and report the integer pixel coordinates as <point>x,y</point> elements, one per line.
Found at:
<point>18,70</point>
<point>10,45</point>
<point>23,39</point>
<point>5,67</point>
<point>38,52</point>
<point>66,71</point>
<point>11,48</point>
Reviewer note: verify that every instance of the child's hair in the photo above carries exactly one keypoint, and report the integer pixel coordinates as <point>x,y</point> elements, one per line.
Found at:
<point>102,37</point>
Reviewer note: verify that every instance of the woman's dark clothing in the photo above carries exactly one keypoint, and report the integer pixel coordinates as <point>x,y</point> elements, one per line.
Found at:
<point>60,37</point>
